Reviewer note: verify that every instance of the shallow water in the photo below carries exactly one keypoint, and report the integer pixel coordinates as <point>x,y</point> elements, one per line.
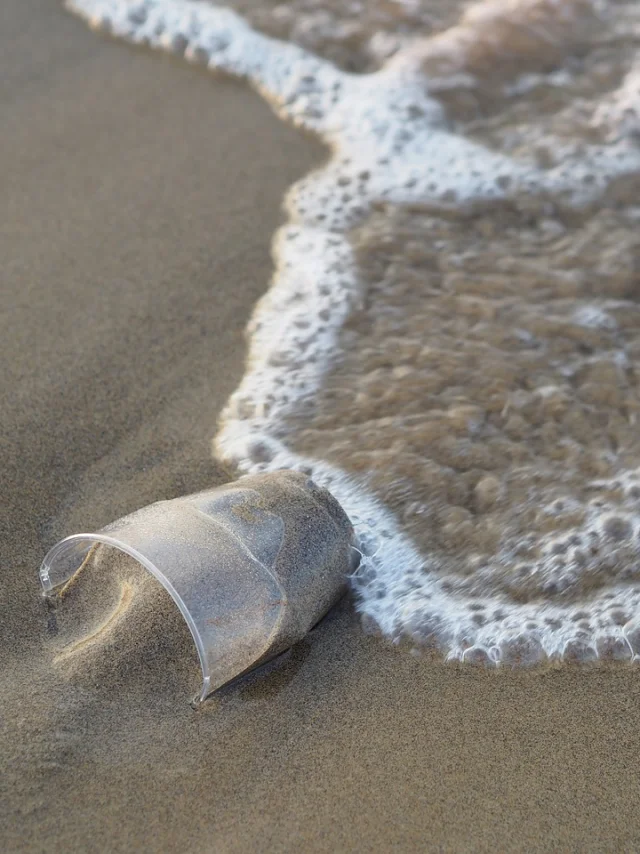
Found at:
<point>358,35</point>
<point>450,340</point>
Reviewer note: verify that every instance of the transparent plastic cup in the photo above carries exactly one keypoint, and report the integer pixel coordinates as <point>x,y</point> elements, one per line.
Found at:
<point>252,565</point>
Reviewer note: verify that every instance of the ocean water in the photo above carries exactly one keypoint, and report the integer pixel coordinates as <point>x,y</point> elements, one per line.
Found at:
<point>450,340</point>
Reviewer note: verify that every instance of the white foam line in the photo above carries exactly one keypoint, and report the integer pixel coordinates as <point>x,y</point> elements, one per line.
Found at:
<point>390,141</point>
<point>620,113</point>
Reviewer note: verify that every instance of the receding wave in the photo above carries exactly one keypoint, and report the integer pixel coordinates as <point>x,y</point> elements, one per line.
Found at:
<point>450,338</point>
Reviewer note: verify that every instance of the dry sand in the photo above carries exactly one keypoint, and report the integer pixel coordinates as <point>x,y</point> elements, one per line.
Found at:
<point>141,197</point>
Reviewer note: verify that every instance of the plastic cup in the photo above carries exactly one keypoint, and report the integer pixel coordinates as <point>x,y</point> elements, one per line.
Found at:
<point>252,565</point>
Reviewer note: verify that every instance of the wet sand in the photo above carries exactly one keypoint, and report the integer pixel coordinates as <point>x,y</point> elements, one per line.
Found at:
<point>141,197</point>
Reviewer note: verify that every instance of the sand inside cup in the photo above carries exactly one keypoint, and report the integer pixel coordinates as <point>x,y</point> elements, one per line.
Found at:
<point>114,622</point>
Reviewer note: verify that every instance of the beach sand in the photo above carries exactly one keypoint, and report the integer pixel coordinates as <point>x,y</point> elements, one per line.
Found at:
<point>142,196</point>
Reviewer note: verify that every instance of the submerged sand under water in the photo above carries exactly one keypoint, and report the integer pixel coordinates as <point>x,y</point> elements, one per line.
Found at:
<point>488,394</point>
<point>487,386</point>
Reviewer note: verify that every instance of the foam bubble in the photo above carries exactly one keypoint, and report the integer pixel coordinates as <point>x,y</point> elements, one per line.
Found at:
<point>392,143</point>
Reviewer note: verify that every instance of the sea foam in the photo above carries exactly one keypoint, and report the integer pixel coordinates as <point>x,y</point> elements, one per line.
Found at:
<point>393,143</point>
